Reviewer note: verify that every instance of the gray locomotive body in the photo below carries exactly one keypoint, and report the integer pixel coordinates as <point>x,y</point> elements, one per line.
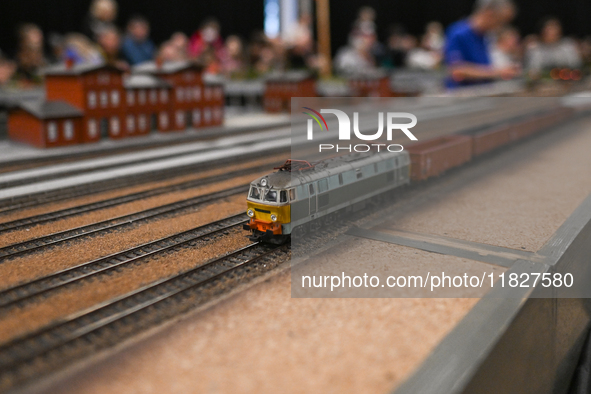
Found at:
<point>298,196</point>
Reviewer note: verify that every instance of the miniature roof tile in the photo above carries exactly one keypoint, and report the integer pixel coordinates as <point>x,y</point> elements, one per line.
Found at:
<point>78,69</point>
<point>144,81</point>
<point>165,67</point>
<point>50,109</point>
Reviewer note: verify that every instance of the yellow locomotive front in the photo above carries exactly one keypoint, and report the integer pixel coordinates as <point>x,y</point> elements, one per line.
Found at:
<point>268,207</point>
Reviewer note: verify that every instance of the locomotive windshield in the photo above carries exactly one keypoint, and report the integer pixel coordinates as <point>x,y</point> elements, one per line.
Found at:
<point>276,196</point>
<point>271,196</point>
<point>254,193</point>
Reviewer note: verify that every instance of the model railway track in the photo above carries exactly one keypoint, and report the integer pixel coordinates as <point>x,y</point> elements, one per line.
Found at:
<point>72,172</point>
<point>113,184</point>
<point>112,321</point>
<point>105,226</point>
<point>111,202</point>
<point>26,292</point>
<point>204,134</point>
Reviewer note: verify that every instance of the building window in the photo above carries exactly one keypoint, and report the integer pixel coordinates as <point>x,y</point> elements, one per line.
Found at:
<point>141,97</point>
<point>130,97</point>
<point>104,99</point>
<point>164,95</point>
<point>52,131</point>
<point>142,122</point>
<point>115,125</point>
<point>130,123</point>
<point>163,120</point>
<point>196,117</point>
<point>153,96</point>
<point>180,118</point>
<point>197,93</point>
<point>189,94</point>
<point>92,128</point>
<point>68,130</point>
<point>180,94</point>
<point>218,93</point>
<point>207,94</point>
<point>207,115</point>
<point>115,98</point>
<point>189,76</point>
<point>91,99</point>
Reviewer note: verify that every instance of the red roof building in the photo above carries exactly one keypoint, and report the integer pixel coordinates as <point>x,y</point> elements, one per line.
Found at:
<point>108,104</point>
<point>46,124</point>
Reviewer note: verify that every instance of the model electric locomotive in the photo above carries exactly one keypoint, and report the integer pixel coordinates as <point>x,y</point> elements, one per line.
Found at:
<point>300,195</point>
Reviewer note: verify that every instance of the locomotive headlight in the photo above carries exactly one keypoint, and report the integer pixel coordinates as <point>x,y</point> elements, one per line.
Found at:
<point>250,213</point>
<point>274,217</point>
<point>264,182</point>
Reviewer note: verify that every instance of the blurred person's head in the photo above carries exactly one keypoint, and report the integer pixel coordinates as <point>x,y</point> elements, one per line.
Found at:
<point>367,14</point>
<point>30,47</point>
<point>551,31</point>
<point>138,27</point>
<point>434,27</point>
<point>234,46</point>
<point>104,10</point>
<point>30,37</point>
<point>179,40</point>
<point>109,40</point>
<point>167,52</point>
<point>489,15</point>
<point>363,43</point>
<point>508,39</point>
<point>7,69</point>
<point>210,30</point>
<point>365,23</point>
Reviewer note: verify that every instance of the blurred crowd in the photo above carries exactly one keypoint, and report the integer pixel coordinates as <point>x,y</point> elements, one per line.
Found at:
<point>482,47</point>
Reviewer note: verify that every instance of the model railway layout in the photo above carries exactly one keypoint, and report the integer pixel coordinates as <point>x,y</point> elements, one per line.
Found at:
<point>117,257</point>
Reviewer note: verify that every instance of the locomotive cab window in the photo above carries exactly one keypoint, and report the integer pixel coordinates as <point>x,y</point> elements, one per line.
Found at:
<point>292,194</point>
<point>271,196</point>
<point>283,196</point>
<point>254,193</point>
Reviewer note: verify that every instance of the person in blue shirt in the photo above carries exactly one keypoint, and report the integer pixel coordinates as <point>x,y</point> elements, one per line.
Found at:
<point>467,53</point>
<point>137,46</point>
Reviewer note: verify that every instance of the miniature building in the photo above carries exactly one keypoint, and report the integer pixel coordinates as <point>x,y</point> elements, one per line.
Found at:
<point>155,97</point>
<point>96,90</point>
<point>213,104</point>
<point>281,87</point>
<point>45,124</point>
<point>370,84</point>
<point>147,101</point>
<point>193,103</point>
